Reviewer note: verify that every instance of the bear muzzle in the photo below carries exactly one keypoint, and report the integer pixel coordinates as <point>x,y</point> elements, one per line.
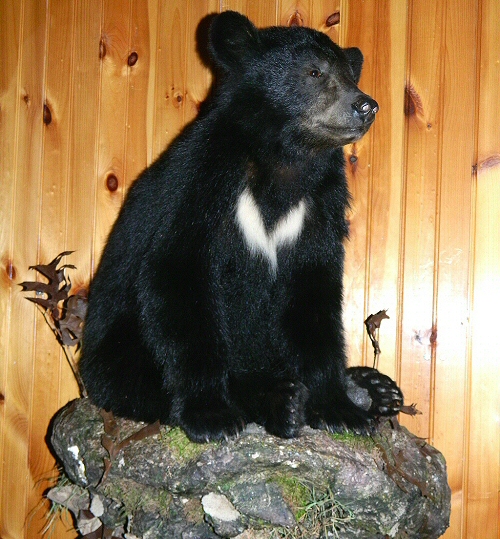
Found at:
<point>365,108</point>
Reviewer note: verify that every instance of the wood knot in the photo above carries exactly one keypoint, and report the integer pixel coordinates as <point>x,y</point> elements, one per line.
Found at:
<point>47,115</point>
<point>132,59</point>
<point>10,270</point>
<point>102,49</point>
<point>112,183</point>
<point>433,336</point>
<point>333,19</point>
<point>177,99</point>
<point>413,102</point>
<point>296,19</point>
<point>490,162</point>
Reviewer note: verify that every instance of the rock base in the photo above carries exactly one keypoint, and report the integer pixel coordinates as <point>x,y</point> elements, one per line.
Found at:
<point>129,480</point>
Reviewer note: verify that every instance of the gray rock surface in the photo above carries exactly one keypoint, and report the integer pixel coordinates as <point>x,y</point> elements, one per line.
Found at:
<point>130,481</point>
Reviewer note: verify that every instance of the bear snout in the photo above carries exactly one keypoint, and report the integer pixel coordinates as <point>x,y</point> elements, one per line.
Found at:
<point>365,108</point>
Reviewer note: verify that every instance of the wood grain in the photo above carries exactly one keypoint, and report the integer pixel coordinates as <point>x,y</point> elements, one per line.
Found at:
<point>453,237</point>
<point>481,499</point>
<point>170,67</point>
<point>260,13</point>
<point>387,162</point>
<point>425,62</point>
<point>12,453</point>
<point>139,72</point>
<point>82,175</point>
<point>29,36</point>
<point>113,102</point>
<point>51,374</point>
<point>360,176</point>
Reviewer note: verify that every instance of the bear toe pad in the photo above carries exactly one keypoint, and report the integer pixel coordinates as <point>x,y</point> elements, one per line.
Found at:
<point>386,397</point>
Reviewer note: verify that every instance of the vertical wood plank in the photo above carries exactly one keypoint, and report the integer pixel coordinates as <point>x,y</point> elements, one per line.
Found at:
<point>51,372</point>
<point>26,178</point>
<point>114,53</point>
<point>169,73</point>
<point>262,14</point>
<point>182,80</point>
<point>359,28</point>
<point>294,12</point>
<point>154,48</point>
<point>136,151</point>
<point>386,186</point>
<point>424,125</point>
<point>11,21</point>
<point>452,262</point>
<point>482,495</point>
<point>85,109</point>
<point>481,519</point>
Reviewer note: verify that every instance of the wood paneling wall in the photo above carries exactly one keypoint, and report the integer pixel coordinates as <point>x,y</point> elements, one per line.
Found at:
<point>119,78</point>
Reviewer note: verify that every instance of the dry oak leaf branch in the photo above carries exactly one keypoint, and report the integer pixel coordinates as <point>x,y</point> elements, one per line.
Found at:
<point>64,313</point>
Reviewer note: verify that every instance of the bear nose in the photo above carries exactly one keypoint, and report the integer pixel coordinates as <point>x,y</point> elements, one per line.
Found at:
<point>365,106</point>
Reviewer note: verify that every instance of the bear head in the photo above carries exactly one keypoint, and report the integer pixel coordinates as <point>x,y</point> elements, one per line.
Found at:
<point>297,78</point>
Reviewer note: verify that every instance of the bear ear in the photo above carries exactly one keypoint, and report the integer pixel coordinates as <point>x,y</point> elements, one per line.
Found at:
<point>232,37</point>
<point>355,59</point>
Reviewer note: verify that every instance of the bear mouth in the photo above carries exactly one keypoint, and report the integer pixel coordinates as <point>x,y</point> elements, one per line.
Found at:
<point>342,135</point>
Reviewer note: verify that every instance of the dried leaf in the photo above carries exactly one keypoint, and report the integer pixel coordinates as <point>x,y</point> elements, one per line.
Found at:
<point>410,410</point>
<point>111,432</point>
<point>107,469</point>
<point>47,304</point>
<point>109,440</point>
<point>63,313</point>
<point>50,270</point>
<point>111,427</point>
<point>67,312</point>
<point>57,288</point>
<point>372,323</point>
<point>71,323</point>
<point>396,473</point>
<point>109,445</point>
<point>146,431</point>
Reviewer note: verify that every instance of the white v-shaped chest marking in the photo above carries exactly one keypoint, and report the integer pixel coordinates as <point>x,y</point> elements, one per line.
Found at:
<point>259,241</point>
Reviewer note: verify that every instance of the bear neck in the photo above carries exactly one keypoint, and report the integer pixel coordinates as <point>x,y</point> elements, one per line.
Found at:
<point>279,185</point>
<point>282,167</point>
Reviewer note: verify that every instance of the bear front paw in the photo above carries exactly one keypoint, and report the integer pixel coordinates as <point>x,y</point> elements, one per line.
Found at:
<point>342,417</point>
<point>210,424</point>
<point>286,409</point>
<point>386,397</point>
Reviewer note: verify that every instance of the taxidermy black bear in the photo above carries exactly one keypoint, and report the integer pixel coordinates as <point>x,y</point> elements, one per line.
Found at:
<point>218,299</point>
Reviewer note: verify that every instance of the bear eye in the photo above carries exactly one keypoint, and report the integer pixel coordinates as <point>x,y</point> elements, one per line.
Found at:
<point>316,73</point>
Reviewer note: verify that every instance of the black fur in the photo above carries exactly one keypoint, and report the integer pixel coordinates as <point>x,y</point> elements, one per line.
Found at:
<point>186,324</point>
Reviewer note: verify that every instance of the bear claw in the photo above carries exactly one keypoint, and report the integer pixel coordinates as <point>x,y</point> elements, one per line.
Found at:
<point>212,424</point>
<point>286,414</point>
